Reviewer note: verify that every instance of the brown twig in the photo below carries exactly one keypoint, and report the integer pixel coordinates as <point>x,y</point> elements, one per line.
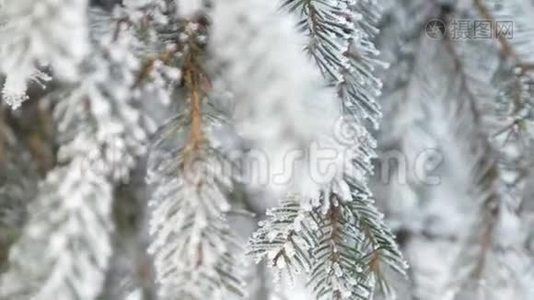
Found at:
<point>333,217</point>
<point>2,134</point>
<point>193,74</point>
<point>193,79</point>
<point>196,135</point>
<point>507,51</point>
<point>506,48</point>
<point>165,57</point>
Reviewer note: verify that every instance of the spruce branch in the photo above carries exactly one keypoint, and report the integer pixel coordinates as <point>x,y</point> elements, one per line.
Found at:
<point>515,96</point>
<point>29,43</point>
<point>101,135</point>
<point>340,244</point>
<point>486,173</point>
<point>521,66</point>
<point>18,185</point>
<point>343,215</point>
<point>195,251</point>
<point>489,183</point>
<point>339,34</point>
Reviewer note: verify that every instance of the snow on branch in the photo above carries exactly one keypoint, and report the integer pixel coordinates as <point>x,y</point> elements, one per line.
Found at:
<point>341,240</point>
<point>196,254</point>
<point>281,102</point>
<point>64,249</point>
<point>195,251</point>
<point>40,34</point>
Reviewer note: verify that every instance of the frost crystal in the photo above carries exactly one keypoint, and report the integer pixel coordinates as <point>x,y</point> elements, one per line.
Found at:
<point>14,91</point>
<point>65,247</point>
<point>30,39</point>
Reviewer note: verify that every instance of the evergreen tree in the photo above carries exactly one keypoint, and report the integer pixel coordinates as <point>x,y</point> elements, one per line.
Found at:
<point>143,142</point>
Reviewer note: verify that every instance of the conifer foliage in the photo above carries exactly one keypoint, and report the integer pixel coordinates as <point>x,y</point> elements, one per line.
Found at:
<point>339,237</point>
<point>215,134</point>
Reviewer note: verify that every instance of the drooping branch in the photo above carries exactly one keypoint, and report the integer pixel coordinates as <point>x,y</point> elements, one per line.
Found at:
<point>195,251</point>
